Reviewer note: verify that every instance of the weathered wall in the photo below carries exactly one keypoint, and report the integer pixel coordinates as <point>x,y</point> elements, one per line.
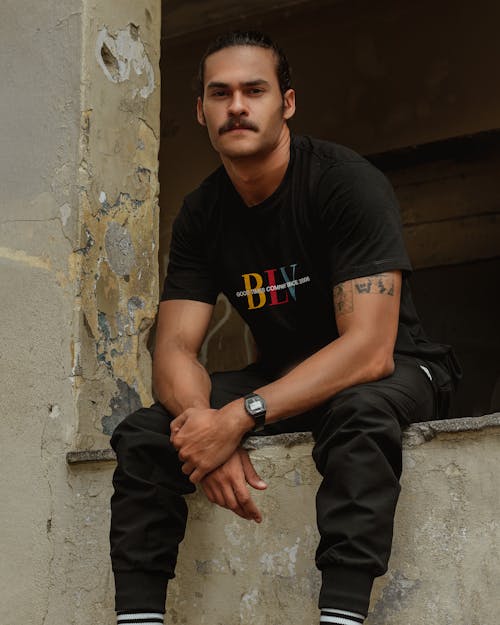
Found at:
<point>79,125</point>
<point>78,240</point>
<point>39,111</point>
<point>118,183</point>
<point>444,567</point>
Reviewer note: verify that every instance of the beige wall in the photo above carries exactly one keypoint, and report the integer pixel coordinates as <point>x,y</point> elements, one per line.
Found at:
<point>78,234</point>
<point>39,113</point>
<point>444,566</point>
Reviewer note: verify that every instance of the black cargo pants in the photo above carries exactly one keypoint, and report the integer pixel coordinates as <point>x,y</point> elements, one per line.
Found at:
<point>357,451</point>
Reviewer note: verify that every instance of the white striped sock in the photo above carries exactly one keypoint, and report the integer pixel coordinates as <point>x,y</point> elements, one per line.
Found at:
<point>140,618</point>
<point>341,617</point>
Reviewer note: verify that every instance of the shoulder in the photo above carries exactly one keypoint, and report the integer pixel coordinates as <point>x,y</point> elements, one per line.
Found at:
<point>326,153</point>
<point>337,168</point>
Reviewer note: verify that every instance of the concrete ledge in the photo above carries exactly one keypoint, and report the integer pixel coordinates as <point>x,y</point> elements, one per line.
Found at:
<point>416,434</point>
<point>445,562</point>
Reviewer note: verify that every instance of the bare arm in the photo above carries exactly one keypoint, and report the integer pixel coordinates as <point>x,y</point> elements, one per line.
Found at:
<point>181,383</point>
<point>179,380</point>
<point>367,314</point>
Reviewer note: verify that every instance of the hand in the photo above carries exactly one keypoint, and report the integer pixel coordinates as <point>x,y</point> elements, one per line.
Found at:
<point>227,486</point>
<point>204,439</point>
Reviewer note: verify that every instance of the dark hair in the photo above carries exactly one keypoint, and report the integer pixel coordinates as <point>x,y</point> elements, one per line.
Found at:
<point>247,38</point>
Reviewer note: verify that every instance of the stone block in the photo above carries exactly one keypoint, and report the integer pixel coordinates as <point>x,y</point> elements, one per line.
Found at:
<point>444,566</point>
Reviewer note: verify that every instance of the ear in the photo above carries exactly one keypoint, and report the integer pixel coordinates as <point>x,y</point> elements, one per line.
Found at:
<point>289,104</point>
<point>199,112</point>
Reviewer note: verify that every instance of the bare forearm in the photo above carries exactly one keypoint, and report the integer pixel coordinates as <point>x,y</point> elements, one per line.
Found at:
<point>340,365</point>
<point>180,381</point>
<point>343,363</point>
<point>367,311</point>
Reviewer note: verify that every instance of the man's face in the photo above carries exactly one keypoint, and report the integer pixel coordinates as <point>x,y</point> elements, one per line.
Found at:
<point>242,107</point>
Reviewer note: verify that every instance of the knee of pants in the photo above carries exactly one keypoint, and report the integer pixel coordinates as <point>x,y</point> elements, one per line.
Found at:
<point>358,422</point>
<point>143,425</point>
<point>144,452</point>
<point>154,419</point>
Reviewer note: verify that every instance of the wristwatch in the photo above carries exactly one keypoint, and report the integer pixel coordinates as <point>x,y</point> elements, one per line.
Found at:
<point>256,408</point>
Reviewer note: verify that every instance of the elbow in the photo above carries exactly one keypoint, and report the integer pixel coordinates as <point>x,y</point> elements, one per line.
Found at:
<point>382,365</point>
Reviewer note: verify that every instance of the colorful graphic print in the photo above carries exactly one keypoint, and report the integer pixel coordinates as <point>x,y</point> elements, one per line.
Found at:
<point>264,289</point>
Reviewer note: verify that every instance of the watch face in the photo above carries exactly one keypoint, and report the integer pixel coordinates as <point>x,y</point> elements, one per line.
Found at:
<point>255,404</point>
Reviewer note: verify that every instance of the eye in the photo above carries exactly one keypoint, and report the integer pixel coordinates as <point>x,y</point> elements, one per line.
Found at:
<point>256,91</point>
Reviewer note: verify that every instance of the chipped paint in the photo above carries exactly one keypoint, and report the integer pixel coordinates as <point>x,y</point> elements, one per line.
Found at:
<point>65,212</point>
<point>114,263</point>
<point>123,403</point>
<point>119,249</point>
<point>282,562</point>
<point>117,54</point>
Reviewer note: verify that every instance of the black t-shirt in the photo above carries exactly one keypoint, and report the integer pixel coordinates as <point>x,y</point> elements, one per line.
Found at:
<point>333,218</point>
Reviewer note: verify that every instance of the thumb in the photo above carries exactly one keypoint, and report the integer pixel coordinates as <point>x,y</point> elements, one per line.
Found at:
<point>251,474</point>
<point>177,423</point>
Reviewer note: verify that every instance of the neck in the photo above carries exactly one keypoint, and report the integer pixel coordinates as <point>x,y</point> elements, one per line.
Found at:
<point>257,177</point>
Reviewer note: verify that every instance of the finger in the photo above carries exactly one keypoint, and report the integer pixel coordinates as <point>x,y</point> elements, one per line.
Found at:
<point>197,475</point>
<point>248,505</point>
<point>218,497</point>
<point>230,500</point>
<point>174,439</point>
<point>207,489</point>
<point>241,513</point>
<point>187,468</point>
<point>220,501</point>
<point>251,475</point>
<point>176,425</point>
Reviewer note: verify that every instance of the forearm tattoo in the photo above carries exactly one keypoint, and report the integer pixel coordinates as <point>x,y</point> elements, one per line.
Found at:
<point>343,293</point>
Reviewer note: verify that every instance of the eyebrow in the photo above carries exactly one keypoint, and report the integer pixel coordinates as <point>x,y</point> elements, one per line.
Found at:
<point>247,83</point>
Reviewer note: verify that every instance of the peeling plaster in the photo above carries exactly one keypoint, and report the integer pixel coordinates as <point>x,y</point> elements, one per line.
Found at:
<point>114,264</point>
<point>281,563</point>
<point>396,594</point>
<point>117,54</point>
<point>65,211</point>
<point>125,401</point>
<point>120,249</point>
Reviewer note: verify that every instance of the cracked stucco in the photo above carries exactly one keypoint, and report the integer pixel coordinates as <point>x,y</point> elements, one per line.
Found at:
<point>116,259</point>
<point>78,242</point>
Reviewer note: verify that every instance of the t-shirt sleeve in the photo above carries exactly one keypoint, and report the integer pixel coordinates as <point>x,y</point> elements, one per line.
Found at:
<point>189,272</point>
<point>360,218</point>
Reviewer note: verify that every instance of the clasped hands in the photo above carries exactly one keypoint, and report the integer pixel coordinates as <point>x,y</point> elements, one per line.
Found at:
<point>208,444</point>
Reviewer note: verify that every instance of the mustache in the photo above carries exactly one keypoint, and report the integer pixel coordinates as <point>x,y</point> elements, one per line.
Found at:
<point>235,122</point>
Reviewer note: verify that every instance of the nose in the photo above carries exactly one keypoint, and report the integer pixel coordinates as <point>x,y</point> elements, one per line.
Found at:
<point>237,105</point>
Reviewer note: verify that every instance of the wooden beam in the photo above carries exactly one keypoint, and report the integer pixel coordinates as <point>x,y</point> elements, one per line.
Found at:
<point>185,17</point>
<point>478,146</point>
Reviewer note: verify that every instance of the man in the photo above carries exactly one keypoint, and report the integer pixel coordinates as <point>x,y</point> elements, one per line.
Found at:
<point>304,239</point>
